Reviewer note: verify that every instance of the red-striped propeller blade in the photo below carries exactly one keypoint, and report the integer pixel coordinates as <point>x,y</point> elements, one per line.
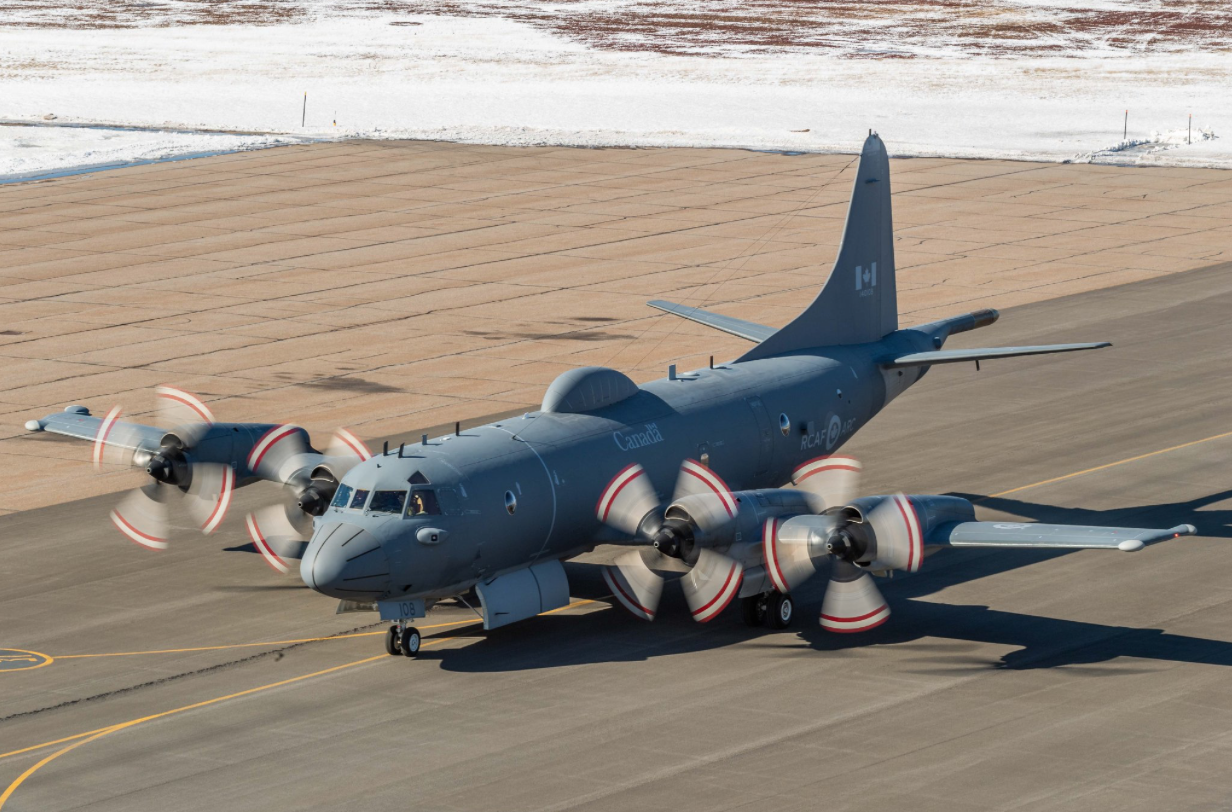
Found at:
<point>276,538</point>
<point>852,603</point>
<point>626,500</point>
<point>634,585</point>
<point>142,517</point>
<point>711,584</point>
<point>828,481</point>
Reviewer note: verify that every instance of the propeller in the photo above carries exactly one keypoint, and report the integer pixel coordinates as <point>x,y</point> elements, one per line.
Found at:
<point>701,515</point>
<point>203,488</point>
<point>886,536</point>
<point>279,531</point>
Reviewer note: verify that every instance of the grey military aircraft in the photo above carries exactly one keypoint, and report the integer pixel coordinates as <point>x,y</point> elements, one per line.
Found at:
<point>498,507</point>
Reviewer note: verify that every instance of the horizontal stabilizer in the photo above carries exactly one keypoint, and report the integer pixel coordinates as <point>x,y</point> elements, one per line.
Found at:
<point>922,359</point>
<point>1051,536</point>
<point>749,330</point>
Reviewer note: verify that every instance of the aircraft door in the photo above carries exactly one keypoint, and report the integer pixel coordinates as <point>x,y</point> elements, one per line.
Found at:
<point>765,435</point>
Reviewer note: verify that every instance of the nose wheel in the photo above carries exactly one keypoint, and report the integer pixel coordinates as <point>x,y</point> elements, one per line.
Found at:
<point>402,639</point>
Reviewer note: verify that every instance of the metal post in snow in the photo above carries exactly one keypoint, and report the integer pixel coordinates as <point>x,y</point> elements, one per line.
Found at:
<point>304,115</point>
<point>1125,136</point>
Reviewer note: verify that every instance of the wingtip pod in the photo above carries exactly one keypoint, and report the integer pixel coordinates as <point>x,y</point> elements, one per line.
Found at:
<point>1133,545</point>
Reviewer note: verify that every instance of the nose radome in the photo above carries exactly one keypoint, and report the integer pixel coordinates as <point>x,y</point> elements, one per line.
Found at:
<point>345,561</point>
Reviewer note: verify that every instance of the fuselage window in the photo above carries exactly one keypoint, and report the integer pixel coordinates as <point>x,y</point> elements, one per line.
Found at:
<point>342,497</point>
<point>358,500</point>
<point>423,503</point>
<point>388,502</point>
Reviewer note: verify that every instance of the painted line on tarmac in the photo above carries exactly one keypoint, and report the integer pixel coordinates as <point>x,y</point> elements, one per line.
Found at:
<point>98,731</point>
<point>1106,466</point>
<point>98,734</point>
<point>248,645</point>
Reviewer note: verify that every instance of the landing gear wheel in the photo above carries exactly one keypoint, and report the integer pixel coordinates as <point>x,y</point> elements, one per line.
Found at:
<point>410,641</point>
<point>753,610</point>
<point>392,641</point>
<point>780,610</point>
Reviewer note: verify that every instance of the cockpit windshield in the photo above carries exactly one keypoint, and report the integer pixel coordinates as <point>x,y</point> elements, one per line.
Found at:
<point>388,502</point>
<point>342,496</point>
<point>423,503</point>
<point>358,500</point>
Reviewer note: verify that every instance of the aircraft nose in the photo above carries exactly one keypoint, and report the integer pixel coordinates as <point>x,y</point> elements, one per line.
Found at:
<point>345,561</point>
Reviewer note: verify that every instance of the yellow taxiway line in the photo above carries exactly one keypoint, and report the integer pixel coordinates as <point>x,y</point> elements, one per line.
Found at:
<point>1106,466</point>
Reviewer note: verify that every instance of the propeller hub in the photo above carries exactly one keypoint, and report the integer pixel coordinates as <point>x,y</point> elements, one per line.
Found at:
<point>314,499</point>
<point>674,539</point>
<point>843,545</point>
<point>163,467</point>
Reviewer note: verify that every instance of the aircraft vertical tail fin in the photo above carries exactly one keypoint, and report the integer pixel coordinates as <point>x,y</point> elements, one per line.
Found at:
<point>859,302</point>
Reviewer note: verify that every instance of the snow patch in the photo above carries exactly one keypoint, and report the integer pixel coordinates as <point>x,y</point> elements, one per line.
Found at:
<point>1145,150</point>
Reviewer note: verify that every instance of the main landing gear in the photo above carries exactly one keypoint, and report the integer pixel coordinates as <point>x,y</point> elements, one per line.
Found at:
<point>402,639</point>
<point>773,609</point>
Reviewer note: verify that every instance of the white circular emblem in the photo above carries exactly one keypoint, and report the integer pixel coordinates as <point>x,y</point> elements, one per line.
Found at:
<point>832,432</point>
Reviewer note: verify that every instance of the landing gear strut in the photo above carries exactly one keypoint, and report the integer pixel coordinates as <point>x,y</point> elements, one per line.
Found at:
<point>402,638</point>
<point>773,609</point>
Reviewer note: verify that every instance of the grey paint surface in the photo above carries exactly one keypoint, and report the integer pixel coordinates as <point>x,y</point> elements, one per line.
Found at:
<point>1059,681</point>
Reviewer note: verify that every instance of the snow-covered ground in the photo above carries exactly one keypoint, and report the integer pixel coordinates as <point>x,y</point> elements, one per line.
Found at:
<point>39,151</point>
<point>1039,79</point>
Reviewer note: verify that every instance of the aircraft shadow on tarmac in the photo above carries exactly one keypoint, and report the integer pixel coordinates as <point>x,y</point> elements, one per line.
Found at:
<point>1040,642</point>
<point>1210,523</point>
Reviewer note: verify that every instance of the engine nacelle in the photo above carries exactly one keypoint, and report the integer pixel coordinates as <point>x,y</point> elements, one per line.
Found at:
<point>889,531</point>
<point>718,524</point>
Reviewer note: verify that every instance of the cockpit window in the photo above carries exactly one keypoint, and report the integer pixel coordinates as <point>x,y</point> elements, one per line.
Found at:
<point>418,478</point>
<point>342,497</point>
<point>423,503</point>
<point>357,501</point>
<point>388,502</point>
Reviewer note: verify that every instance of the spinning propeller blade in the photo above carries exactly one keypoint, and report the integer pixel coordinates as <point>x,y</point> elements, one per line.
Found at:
<point>711,584</point>
<point>142,516</point>
<point>346,444</point>
<point>828,481</point>
<point>900,543</point>
<point>634,584</point>
<point>791,547</point>
<point>626,500</point>
<point>210,494</point>
<point>278,446</point>
<point>276,537</point>
<point>183,412</point>
<point>852,603</point>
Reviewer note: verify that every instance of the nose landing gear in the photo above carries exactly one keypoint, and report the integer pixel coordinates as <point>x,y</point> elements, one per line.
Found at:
<point>773,609</point>
<point>402,638</point>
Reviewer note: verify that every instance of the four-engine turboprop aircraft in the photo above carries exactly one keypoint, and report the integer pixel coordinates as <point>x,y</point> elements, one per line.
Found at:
<point>498,507</point>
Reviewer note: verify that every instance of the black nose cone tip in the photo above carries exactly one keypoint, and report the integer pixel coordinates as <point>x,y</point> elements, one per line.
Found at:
<point>345,561</point>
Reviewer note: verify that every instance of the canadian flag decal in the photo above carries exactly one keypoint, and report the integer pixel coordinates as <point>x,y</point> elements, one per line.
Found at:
<point>866,277</point>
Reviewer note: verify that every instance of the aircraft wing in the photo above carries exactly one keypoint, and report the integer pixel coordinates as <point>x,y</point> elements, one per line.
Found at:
<point>84,426</point>
<point>1051,536</point>
<point>749,330</point>
<point>920,359</point>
